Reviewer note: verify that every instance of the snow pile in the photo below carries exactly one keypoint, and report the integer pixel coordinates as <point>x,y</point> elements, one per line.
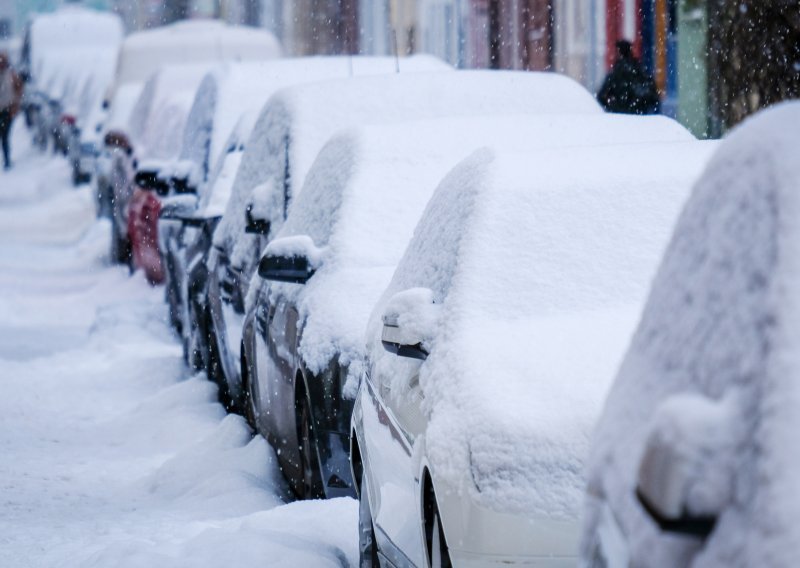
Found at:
<point>540,262</point>
<point>721,320</point>
<point>298,121</point>
<point>113,454</point>
<point>368,188</point>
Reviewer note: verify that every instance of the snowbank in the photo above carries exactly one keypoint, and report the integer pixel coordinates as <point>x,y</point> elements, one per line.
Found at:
<point>721,321</point>
<point>540,262</point>
<point>113,455</point>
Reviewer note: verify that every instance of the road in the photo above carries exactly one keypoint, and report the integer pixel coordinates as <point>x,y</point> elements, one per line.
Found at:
<point>111,452</point>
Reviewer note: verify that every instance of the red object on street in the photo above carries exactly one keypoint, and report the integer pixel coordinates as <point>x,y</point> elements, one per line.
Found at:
<point>143,211</point>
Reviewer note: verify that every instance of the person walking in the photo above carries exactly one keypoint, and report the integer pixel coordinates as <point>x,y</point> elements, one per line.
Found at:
<point>628,88</point>
<point>9,105</point>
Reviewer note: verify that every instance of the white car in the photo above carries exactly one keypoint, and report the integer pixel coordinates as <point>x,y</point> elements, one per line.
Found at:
<point>693,459</point>
<point>492,347</point>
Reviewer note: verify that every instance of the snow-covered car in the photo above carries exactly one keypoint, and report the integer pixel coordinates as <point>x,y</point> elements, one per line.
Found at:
<point>111,169</point>
<point>88,112</point>
<point>303,340</point>
<point>158,128</point>
<point>295,124</point>
<point>234,92</point>
<point>691,459</point>
<point>56,50</point>
<point>491,349</point>
<point>284,141</point>
<point>143,53</point>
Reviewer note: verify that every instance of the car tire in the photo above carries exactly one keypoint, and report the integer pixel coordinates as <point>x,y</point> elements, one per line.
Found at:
<point>309,486</point>
<point>438,552</point>
<point>367,545</point>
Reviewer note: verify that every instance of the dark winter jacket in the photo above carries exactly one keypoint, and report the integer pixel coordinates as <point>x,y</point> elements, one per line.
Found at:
<point>629,89</point>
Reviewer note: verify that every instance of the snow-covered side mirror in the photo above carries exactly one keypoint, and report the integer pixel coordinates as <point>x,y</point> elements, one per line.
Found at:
<point>290,259</point>
<point>178,207</point>
<point>255,225</point>
<point>409,322</point>
<point>686,473</point>
<point>148,178</point>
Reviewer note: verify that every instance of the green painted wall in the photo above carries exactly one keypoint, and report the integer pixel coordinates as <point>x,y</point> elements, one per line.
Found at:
<point>692,72</point>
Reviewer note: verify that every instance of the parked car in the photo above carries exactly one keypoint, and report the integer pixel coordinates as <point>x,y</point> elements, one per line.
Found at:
<point>142,54</point>
<point>689,459</point>
<point>294,126</point>
<point>491,349</point>
<point>112,168</point>
<point>56,48</point>
<point>88,112</point>
<point>235,92</point>
<point>158,127</point>
<point>361,200</point>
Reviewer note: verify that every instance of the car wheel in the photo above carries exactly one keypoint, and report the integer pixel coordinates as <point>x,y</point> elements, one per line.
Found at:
<point>367,546</point>
<point>309,486</point>
<point>438,552</point>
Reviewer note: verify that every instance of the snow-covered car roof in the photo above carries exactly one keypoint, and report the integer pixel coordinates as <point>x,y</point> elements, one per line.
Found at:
<point>234,89</point>
<point>69,28</point>
<point>188,42</point>
<point>540,262</point>
<point>720,323</point>
<point>297,122</point>
<point>158,120</point>
<point>368,188</point>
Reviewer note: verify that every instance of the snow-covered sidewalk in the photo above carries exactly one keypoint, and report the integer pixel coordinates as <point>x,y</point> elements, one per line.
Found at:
<point>111,454</point>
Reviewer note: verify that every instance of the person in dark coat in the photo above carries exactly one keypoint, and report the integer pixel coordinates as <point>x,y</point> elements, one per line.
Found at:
<point>628,88</point>
<point>9,105</point>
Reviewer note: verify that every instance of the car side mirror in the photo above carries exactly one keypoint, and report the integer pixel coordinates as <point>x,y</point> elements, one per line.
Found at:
<point>290,259</point>
<point>254,225</point>
<point>150,180</point>
<point>182,185</point>
<point>409,322</point>
<point>178,207</point>
<point>686,474</point>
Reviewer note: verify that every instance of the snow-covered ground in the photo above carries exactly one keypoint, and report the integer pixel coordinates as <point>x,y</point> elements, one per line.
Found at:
<point>111,453</point>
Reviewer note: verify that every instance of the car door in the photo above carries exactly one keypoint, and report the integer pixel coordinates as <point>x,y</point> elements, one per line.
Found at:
<point>393,428</point>
<point>277,378</point>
